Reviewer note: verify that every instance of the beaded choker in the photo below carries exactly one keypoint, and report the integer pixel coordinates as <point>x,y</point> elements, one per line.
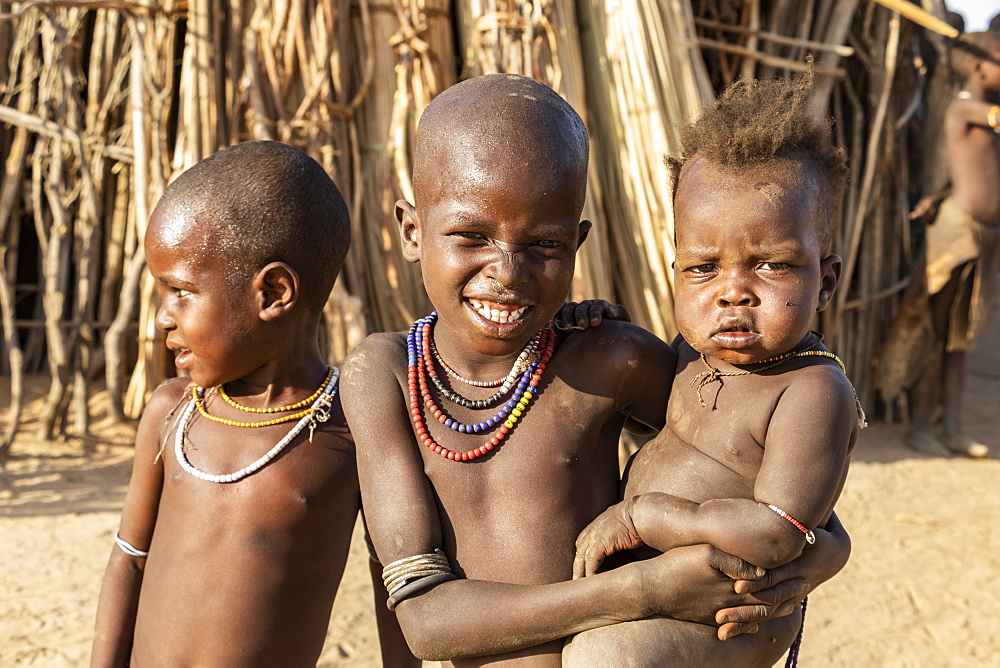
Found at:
<point>420,367</point>
<point>276,409</point>
<point>715,375</point>
<point>318,412</point>
<point>198,394</point>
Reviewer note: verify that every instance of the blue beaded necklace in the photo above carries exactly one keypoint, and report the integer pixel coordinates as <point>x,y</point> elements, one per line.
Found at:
<point>419,356</point>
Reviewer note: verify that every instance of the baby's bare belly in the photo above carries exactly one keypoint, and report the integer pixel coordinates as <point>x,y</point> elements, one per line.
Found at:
<point>670,465</point>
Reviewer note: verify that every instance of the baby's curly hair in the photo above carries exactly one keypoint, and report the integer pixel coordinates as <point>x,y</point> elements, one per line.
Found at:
<point>756,121</point>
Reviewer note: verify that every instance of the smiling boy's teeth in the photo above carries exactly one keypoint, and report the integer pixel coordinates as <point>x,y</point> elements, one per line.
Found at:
<point>497,315</point>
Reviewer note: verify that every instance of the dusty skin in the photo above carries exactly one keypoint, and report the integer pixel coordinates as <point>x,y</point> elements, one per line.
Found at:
<point>918,591</point>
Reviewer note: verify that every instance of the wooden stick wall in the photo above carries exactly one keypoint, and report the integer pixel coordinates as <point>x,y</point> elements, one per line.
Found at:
<point>103,102</point>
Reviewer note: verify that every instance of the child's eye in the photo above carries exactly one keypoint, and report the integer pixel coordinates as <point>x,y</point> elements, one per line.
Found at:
<point>773,266</point>
<point>468,236</point>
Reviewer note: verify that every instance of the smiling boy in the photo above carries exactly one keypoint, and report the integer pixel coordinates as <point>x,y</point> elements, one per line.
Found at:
<point>762,418</point>
<point>244,494</point>
<point>474,495</point>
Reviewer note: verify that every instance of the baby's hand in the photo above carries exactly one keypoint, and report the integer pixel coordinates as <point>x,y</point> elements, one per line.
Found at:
<point>611,532</point>
<point>589,313</point>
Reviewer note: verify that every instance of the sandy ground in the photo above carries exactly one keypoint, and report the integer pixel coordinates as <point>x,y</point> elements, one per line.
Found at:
<point>919,589</point>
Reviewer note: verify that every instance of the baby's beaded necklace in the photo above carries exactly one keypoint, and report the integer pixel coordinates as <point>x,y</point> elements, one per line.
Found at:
<point>712,375</point>
<point>318,412</point>
<point>419,366</point>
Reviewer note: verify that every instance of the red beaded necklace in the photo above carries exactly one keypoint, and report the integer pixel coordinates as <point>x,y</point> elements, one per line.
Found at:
<point>420,395</point>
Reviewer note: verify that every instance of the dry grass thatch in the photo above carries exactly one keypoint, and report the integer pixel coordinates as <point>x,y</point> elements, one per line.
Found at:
<point>102,102</point>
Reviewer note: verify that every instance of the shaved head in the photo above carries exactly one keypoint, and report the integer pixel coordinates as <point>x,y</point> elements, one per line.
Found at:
<point>254,203</point>
<point>496,122</point>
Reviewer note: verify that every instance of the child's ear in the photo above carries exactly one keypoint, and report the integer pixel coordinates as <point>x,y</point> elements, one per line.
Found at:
<point>277,290</point>
<point>409,230</point>
<point>829,270</point>
<point>585,227</point>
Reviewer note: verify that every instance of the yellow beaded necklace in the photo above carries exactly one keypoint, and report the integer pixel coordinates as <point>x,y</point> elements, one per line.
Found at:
<point>198,395</point>
<point>277,409</point>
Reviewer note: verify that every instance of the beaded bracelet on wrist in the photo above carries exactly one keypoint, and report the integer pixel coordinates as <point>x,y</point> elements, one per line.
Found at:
<point>810,536</point>
<point>405,577</point>
<point>128,548</point>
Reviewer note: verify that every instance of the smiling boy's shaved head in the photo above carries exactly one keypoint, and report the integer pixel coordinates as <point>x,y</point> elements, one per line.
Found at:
<point>496,120</point>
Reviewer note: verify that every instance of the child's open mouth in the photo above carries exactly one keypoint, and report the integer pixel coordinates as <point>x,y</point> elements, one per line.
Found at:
<point>503,314</point>
<point>736,337</point>
<point>181,357</point>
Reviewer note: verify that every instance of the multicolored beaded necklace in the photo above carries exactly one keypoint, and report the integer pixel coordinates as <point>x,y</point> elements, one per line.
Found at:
<point>420,366</point>
<point>521,365</point>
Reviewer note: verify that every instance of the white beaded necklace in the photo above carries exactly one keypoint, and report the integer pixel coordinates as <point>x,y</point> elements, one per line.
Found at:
<point>320,412</point>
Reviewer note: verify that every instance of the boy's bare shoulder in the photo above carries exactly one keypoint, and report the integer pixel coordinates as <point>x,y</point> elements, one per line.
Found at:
<point>166,398</point>
<point>622,340</point>
<point>378,358</point>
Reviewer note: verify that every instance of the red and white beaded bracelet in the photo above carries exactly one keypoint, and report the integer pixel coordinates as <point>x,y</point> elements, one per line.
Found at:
<point>810,536</point>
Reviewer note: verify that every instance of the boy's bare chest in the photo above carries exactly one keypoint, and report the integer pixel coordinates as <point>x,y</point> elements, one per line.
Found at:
<point>555,471</point>
<point>306,483</point>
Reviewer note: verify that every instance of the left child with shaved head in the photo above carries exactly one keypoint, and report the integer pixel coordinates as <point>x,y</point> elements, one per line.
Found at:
<point>244,490</point>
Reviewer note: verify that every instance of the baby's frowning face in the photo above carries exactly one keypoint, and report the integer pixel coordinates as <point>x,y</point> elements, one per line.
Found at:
<point>750,271</point>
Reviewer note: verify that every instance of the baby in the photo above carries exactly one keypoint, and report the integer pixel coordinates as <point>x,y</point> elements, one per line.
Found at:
<point>761,418</point>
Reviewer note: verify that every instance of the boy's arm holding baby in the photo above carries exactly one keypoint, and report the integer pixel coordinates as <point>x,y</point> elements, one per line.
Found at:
<point>401,512</point>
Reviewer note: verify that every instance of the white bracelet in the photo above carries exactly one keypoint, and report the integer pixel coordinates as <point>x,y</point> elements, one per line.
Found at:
<point>128,549</point>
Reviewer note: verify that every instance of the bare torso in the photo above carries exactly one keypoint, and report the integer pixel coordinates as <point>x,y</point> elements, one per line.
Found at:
<point>245,574</point>
<point>514,516</point>
<point>974,162</point>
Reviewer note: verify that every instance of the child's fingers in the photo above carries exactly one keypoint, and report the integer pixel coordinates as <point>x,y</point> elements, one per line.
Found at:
<point>778,601</point>
<point>589,313</point>
<point>619,312</point>
<point>578,567</point>
<point>731,630</point>
<point>734,567</point>
<point>587,562</point>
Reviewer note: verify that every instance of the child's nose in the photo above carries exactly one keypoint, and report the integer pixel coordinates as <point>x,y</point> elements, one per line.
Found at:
<point>163,320</point>
<point>507,267</point>
<point>736,291</point>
